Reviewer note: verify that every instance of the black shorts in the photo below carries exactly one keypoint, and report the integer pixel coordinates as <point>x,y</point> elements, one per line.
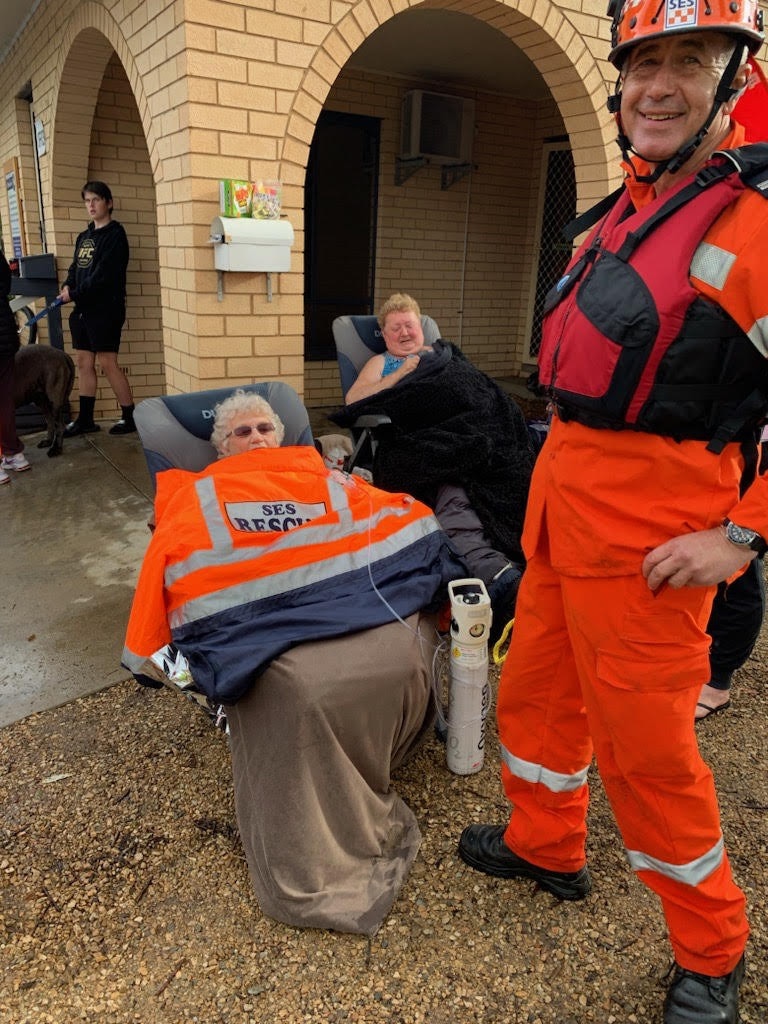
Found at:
<point>96,330</point>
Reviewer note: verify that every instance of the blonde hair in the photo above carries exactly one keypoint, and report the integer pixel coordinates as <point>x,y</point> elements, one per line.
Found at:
<point>398,303</point>
<point>240,402</point>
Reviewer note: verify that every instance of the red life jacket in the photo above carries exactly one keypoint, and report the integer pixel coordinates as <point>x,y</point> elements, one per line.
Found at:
<point>629,343</point>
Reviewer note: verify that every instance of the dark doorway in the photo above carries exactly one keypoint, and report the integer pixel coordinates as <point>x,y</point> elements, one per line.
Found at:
<point>340,219</point>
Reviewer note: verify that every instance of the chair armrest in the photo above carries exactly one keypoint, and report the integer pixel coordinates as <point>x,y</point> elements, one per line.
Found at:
<point>370,422</point>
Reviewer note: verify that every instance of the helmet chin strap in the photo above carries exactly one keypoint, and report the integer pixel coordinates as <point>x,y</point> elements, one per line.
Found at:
<point>672,164</point>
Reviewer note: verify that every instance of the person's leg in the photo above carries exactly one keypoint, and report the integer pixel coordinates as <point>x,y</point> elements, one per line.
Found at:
<point>459,521</point>
<point>501,577</point>
<point>117,379</point>
<point>86,378</point>
<point>734,626</point>
<point>641,659</point>
<point>105,333</point>
<point>546,748</point>
<point>85,362</point>
<point>10,443</point>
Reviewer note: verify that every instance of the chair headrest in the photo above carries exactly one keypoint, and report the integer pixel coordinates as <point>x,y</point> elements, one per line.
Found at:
<point>358,338</point>
<point>175,430</point>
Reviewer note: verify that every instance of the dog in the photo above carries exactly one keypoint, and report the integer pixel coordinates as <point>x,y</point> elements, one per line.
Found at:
<point>45,375</point>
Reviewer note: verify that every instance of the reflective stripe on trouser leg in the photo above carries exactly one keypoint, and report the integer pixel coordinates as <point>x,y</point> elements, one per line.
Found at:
<point>642,660</point>
<point>546,747</point>
<point>710,942</point>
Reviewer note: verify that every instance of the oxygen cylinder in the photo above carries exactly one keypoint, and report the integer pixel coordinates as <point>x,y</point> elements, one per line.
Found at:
<point>469,693</point>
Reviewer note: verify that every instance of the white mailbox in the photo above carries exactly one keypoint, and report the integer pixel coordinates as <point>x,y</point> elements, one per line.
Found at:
<point>244,243</point>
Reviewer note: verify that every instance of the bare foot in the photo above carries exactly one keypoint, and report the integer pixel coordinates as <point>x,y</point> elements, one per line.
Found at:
<point>712,699</point>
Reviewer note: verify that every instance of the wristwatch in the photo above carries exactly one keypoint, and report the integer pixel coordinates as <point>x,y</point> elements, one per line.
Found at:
<point>745,538</point>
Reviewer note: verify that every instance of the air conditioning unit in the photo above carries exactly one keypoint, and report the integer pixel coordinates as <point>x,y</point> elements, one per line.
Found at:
<point>437,127</point>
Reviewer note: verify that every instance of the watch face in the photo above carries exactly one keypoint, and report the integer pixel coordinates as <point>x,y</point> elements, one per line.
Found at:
<point>741,535</point>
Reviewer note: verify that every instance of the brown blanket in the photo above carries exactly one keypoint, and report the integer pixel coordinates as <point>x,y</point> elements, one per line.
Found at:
<point>328,841</point>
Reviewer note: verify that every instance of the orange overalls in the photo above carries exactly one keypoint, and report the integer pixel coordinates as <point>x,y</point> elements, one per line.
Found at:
<point>599,665</point>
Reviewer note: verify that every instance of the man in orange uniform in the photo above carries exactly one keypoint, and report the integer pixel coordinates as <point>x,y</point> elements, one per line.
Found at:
<point>643,498</point>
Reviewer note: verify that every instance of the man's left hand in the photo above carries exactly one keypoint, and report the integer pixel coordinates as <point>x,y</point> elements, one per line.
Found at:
<point>699,559</point>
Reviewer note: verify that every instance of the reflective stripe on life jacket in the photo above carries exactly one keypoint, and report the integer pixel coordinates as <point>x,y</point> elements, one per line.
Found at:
<point>629,343</point>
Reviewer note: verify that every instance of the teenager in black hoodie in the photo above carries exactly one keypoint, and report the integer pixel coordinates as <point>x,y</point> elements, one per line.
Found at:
<point>96,285</point>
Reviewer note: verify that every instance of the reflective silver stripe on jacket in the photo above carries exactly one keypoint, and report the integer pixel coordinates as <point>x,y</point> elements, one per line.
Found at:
<point>556,782</point>
<point>314,574</point>
<point>224,551</point>
<point>133,662</point>
<point>758,335</point>
<point>692,873</point>
<point>712,265</point>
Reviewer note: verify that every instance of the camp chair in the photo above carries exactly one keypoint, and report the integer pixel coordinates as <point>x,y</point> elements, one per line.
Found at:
<point>175,430</point>
<point>357,339</point>
<point>323,849</point>
<point>175,433</point>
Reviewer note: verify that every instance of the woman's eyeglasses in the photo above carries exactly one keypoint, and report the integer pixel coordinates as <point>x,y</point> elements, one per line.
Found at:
<point>246,429</point>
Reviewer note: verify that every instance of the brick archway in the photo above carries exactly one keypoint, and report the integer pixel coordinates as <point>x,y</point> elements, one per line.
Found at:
<point>553,44</point>
<point>101,130</point>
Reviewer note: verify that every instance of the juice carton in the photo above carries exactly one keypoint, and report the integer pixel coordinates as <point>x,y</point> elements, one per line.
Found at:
<point>235,198</point>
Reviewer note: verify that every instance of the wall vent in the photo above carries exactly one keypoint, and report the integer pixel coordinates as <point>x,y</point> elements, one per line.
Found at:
<point>437,127</point>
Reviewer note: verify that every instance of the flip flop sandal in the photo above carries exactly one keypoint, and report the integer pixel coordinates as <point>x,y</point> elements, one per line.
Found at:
<point>710,710</point>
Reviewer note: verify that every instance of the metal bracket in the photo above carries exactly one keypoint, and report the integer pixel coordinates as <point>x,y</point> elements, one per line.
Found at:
<point>220,285</point>
<point>404,169</point>
<point>451,173</point>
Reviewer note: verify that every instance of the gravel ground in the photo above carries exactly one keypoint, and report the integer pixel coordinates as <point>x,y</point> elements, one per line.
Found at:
<point>124,895</point>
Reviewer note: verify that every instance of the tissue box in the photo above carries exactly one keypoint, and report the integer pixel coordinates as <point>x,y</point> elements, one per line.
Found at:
<point>235,198</point>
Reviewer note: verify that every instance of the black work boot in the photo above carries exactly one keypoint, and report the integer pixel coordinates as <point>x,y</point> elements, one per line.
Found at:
<point>483,848</point>
<point>699,999</point>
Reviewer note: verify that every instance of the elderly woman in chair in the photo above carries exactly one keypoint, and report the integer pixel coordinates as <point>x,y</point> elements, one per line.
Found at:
<point>456,441</point>
<point>297,596</point>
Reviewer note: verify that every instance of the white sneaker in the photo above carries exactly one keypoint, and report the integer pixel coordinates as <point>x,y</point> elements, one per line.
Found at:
<point>17,463</point>
<point>4,478</point>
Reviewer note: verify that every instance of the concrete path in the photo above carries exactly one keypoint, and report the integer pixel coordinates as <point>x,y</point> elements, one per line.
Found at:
<point>73,536</point>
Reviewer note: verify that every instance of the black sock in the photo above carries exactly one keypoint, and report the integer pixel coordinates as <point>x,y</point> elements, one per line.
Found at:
<point>87,405</point>
<point>127,411</point>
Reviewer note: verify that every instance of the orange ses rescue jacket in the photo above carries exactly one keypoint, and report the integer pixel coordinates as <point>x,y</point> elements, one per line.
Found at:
<point>266,550</point>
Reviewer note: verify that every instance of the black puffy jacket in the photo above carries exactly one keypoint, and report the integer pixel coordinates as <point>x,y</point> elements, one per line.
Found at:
<point>9,335</point>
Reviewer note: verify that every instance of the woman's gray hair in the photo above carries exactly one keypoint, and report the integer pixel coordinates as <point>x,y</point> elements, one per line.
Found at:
<point>239,403</point>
